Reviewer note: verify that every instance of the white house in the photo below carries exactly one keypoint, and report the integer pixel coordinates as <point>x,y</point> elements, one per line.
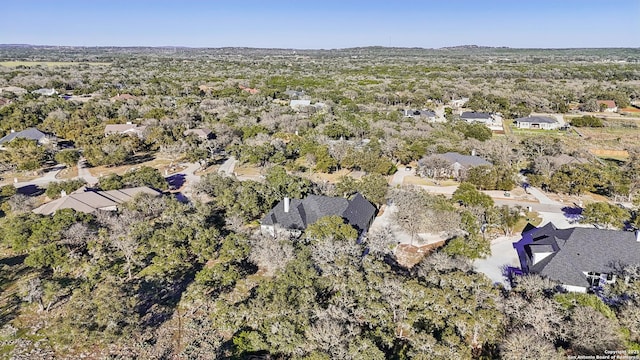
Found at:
<point>537,122</point>
<point>607,105</point>
<point>125,129</point>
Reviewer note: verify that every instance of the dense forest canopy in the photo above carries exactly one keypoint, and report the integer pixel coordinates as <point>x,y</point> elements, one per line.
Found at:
<point>192,276</point>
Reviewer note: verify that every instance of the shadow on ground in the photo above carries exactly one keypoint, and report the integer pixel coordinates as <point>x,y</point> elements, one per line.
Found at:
<point>30,190</point>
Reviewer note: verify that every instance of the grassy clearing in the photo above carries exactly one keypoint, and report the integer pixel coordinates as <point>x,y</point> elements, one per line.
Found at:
<point>160,164</point>
<point>208,170</point>
<point>537,132</point>
<point>531,217</point>
<point>331,178</point>
<point>50,63</point>
<point>8,177</point>
<point>245,170</point>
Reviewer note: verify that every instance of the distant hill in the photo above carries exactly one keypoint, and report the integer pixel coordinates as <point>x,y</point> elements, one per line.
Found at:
<point>472,47</point>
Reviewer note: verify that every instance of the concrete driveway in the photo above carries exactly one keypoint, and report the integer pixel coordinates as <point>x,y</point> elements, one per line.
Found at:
<point>398,177</point>
<point>502,254</point>
<point>228,166</point>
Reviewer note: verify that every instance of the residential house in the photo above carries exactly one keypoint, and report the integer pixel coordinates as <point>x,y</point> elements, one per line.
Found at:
<point>202,133</point>
<point>14,89</point>
<point>564,159</point>
<point>45,92</point>
<point>251,91</point>
<point>4,102</point>
<point>458,103</point>
<point>424,113</point>
<point>481,117</point>
<point>459,164</point>
<point>29,134</point>
<point>320,107</point>
<point>537,122</point>
<point>299,105</point>
<point>578,258</point>
<point>125,129</point>
<point>122,97</point>
<point>294,94</point>
<point>89,201</point>
<point>607,105</point>
<point>294,215</point>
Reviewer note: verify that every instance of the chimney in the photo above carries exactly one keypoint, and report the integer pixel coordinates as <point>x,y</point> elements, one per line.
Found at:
<point>286,204</point>
<point>63,193</point>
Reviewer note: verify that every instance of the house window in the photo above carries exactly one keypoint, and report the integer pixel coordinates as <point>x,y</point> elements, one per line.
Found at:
<point>593,278</point>
<point>610,278</point>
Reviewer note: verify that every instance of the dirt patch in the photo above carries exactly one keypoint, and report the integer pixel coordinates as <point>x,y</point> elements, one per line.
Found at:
<point>247,171</point>
<point>208,170</point>
<point>409,255</point>
<point>68,173</point>
<point>331,178</point>
<point>605,153</point>
<point>159,164</point>
<point>416,180</point>
<point>570,200</point>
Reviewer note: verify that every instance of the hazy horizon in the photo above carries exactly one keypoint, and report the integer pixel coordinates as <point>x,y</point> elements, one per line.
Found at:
<point>331,24</point>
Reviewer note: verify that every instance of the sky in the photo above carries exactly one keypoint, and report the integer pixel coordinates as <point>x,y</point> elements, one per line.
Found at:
<point>327,24</point>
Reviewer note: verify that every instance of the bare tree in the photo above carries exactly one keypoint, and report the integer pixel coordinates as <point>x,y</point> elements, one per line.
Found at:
<point>380,242</point>
<point>544,317</point>
<point>35,292</point>
<point>20,203</point>
<point>271,253</point>
<point>592,333</point>
<point>527,345</point>
<point>434,166</point>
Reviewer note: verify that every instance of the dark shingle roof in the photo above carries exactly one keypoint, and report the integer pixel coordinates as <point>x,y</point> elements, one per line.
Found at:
<point>581,250</point>
<point>30,133</point>
<point>475,115</point>
<point>537,120</point>
<point>357,212</point>
<point>464,160</point>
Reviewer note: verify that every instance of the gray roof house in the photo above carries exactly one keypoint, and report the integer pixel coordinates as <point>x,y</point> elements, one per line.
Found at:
<point>461,163</point>
<point>537,122</point>
<point>470,116</point>
<point>294,215</point>
<point>30,134</point>
<point>89,201</point>
<point>299,105</point>
<point>424,113</point>
<point>45,92</point>
<point>578,258</point>
<point>125,129</point>
<point>294,94</point>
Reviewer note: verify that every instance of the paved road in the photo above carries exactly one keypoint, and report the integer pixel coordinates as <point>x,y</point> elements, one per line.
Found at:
<point>228,166</point>
<point>48,177</point>
<point>190,178</point>
<point>84,173</point>
<point>398,177</point>
<point>541,196</point>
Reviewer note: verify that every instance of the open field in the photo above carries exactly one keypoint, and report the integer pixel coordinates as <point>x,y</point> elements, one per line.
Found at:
<point>613,138</point>
<point>49,63</point>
